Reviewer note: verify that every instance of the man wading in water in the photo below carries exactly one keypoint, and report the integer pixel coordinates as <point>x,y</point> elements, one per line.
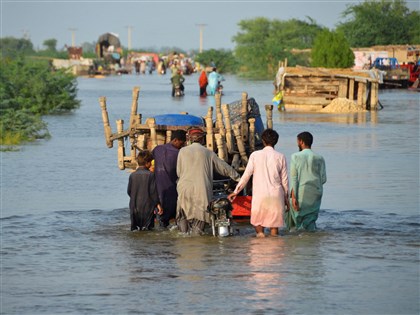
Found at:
<point>195,182</point>
<point>307,176</point>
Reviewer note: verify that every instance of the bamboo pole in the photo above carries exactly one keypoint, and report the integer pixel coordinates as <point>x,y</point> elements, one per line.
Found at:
<point>359,93</point>
<point>220,146</point>
<point>374,96</point>
<point>134,107</point>
<point>244,112</point>
<point>151,122</point>
<point>218,99</point>
<point>251,134</point>
<point>364,98</point>
<point>209,129</point>
<point>342,89</point>
<point>269,114</point>
<point>141,142</point>
<point>240,144</point>
<point>133,120</point>
<point>105,119</point>
<point>121,151</point>
<point>351,89</point>
<point>168,136</point>
<point>228,126</point>
<point>219,119</point>
<point>133,149</point>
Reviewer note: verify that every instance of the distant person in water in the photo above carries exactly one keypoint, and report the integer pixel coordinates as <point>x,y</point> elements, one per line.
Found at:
<point>307,176</point>
<point>144,198</point>
<point>214,80</point>
<point>202,82</point>
<point>178,80</point>
<point>166,156</point>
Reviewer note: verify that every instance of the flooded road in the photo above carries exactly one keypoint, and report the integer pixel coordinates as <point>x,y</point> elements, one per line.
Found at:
<point>66,247</point>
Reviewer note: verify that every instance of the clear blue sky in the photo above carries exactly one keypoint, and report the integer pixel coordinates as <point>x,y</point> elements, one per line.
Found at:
<point>155,23</point>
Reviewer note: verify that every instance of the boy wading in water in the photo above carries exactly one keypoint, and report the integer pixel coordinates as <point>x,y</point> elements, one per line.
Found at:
<point>144,198</point>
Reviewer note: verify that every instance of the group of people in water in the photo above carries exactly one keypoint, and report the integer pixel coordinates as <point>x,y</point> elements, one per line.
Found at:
<point>209,84</point>
<point>180,187</point>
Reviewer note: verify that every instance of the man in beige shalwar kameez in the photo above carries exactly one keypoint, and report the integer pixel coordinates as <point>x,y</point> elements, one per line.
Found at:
<point>195,168</point>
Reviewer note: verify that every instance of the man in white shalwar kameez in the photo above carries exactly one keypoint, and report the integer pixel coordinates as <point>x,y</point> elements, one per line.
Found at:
<point>269,185</point>
<point>195,168</point>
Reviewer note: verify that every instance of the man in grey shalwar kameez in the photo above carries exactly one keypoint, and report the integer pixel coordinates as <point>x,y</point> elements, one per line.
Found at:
<point>195,182</point>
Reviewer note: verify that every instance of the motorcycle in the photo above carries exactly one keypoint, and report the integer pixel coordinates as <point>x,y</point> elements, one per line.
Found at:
<point>220,210</point>
<point>178,91</point>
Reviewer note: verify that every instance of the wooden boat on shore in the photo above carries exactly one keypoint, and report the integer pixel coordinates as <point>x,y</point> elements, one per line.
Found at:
<point>233,135</point>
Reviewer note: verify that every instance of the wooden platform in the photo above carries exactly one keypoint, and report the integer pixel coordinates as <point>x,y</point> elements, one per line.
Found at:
<point>314,88</point>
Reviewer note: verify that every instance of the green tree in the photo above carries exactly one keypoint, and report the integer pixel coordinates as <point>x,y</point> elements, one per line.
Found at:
<point>224,60</point>
<point>50,44</point>
<point>11,47</point>
<point>413,21</point>
<point>380,22</point>
<point>262,43</point>
<point>332,50</point>
<point>89,50</point>
<point>29,89</point>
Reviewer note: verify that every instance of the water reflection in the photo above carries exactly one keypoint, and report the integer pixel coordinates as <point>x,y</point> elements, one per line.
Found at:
<point>190,257</point>
<point>265,270</point>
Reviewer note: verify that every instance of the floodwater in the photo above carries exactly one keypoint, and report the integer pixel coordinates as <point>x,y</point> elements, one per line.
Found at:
<point>66,247</point>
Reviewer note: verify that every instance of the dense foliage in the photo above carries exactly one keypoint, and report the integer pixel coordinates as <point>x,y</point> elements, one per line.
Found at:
<point>223,59</point>
<point>331,50</point>
<point>262,43</point>
<point>10,47</point>
<point>29,89</point>
<point>380,22</point>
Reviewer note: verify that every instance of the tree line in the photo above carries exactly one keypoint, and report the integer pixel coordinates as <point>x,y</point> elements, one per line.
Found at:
<point>261,43</point>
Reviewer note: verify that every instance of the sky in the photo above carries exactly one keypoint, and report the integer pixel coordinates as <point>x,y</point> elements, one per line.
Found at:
<point>155,23</point>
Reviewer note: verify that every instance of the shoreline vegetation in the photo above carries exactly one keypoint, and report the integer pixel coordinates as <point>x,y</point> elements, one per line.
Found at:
<point>30,89</point>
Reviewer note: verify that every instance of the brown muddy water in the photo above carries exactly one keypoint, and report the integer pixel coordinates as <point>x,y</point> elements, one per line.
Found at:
<point>66,247</point>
